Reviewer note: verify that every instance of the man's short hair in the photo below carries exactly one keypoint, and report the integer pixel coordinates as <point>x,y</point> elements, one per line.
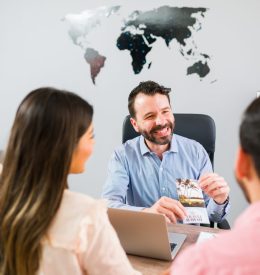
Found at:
<point>149,88</point>
<point>250,132</point>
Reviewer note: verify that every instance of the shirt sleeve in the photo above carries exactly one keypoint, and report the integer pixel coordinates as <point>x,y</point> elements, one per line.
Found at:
<point>217,212</point>
<point>117,182</point>
<point>104,253</point>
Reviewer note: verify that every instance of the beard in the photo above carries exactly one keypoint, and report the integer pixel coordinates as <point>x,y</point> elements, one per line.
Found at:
<point>151,135</point>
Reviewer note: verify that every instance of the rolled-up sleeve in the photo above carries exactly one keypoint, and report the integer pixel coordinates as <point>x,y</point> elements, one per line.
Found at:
<point>117,182</point>
<point>217,212</point>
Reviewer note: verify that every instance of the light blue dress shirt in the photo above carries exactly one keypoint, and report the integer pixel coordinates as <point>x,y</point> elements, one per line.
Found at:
<point>137,177</point>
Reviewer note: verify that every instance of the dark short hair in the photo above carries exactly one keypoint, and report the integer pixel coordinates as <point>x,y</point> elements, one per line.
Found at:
<point>149,88</point>
<point>250,132</point>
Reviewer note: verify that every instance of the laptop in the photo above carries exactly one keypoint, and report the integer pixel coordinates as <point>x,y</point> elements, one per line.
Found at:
<point>145,234</point>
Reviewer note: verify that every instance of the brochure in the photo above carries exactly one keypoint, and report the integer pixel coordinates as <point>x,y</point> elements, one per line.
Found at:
<point>191,197</point>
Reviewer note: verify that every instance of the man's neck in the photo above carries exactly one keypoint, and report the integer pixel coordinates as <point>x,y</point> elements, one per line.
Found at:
<point>254,194</point>
<point>157,148</point>
<point>252,186</point>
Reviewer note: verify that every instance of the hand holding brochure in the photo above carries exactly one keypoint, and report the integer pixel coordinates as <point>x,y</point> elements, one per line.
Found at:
<point>191,197</point>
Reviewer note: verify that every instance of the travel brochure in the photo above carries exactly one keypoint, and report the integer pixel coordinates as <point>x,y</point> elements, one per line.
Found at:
<point>191,197</point>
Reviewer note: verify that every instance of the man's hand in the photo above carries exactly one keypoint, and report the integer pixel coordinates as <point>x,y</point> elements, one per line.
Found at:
<point>215,187</point>
<point>172,209</point>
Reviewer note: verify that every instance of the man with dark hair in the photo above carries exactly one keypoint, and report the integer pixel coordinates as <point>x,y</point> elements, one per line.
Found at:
<point>236,251</point>
<point>143,171</point>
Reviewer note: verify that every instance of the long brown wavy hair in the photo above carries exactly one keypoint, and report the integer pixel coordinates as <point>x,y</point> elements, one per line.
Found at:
<point>46,130</point>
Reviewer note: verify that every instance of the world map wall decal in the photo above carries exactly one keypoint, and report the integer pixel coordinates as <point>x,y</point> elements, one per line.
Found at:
<point>137,34</point>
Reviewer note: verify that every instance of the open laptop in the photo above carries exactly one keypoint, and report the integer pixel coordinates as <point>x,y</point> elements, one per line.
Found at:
<point>145,234</point>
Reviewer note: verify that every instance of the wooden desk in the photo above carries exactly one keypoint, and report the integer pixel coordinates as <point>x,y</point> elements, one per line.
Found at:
<point>149,266</point>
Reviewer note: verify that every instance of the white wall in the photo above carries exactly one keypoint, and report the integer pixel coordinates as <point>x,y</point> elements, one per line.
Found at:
<point>35,50</point>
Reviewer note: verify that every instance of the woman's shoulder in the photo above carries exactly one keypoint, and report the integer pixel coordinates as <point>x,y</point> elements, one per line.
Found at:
<point>76,206</point>
<point>76,214</point>
<point>78,198</point>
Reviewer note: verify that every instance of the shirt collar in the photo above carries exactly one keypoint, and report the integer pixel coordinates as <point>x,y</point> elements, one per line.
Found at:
<point>174,145</point>
<point>145,149</point>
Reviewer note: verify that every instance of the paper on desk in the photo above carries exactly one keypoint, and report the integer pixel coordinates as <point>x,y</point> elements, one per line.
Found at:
<point>191,197</point>
<point>203,236</point>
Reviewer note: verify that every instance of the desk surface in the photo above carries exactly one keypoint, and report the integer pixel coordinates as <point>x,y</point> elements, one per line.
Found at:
<point>150,266</point>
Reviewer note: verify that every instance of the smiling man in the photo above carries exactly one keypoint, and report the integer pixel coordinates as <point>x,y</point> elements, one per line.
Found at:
<point>142,172</point>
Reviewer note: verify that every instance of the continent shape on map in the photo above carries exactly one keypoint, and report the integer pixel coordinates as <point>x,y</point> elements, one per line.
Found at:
<point>166,22</point>
<point>139,31</point>
<point>81,26</point>
<point>202,69</point>
<point>96,62</point>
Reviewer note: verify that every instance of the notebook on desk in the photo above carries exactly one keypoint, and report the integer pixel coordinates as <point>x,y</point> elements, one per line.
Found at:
<point>145,234</point>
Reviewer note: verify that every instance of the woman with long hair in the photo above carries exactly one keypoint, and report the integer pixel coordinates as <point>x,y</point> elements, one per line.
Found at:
<point>44,227</point>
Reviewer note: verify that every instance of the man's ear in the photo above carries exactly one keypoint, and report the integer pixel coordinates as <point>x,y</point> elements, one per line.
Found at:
<point>242,165</point>
<point>134,124</point>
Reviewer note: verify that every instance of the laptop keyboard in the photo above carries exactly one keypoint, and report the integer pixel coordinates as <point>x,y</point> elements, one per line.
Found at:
<point>172,246</point>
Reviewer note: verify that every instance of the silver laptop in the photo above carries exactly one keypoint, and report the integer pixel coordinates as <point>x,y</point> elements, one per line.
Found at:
<point>145,234</point>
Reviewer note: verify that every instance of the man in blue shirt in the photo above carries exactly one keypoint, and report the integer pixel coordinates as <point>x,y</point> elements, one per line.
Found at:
<point>143,171</point>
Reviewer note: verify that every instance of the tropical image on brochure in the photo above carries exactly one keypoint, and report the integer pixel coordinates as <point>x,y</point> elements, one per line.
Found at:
<point>191,197</point>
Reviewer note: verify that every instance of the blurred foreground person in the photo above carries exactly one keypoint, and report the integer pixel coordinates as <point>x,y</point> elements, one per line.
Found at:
<point>45,228</point>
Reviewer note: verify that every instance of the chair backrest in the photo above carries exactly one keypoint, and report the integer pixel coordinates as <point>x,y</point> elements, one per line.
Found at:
<point>194,126</point>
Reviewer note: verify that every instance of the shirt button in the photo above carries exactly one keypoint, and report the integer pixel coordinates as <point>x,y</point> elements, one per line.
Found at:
<point>161,169</point>
<point>163,189</point>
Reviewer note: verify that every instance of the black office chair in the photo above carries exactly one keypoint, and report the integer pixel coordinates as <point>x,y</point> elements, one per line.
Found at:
<point>194,126</point>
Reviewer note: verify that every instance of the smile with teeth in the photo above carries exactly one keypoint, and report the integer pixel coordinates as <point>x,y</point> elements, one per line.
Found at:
<point>162,132</point>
